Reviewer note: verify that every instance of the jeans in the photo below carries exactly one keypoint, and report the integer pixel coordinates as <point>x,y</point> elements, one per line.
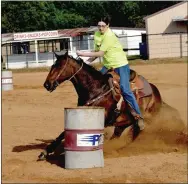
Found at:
<point>124,73</point>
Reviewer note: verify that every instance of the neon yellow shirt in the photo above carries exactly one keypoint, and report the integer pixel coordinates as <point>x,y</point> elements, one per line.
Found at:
<point>114,56</point>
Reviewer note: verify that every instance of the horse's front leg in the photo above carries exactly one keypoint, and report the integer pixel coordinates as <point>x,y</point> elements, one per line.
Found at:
<point>118,130</point>
<point>52,146</point>
<point>132,131</point>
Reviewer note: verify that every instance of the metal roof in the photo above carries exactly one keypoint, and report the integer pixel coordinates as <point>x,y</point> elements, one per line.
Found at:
<point>180,18</point>
<point>62,33</point>
<point>72,32</point>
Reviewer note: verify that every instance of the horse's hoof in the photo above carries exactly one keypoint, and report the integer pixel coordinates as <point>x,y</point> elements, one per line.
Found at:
<point>42,156</point>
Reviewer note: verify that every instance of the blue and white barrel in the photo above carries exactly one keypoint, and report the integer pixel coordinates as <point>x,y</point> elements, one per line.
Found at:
<point>84,136</point>
<point>7,81</point>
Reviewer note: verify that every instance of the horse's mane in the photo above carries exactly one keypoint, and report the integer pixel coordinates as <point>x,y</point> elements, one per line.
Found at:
<point>89,68</point>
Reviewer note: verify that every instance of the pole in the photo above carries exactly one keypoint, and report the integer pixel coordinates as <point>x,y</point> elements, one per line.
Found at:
<point>88,42</point>
<point>70,44</point>
<point>36,52</point>
<point>7,54</point>
<point>53,50</point>
<point>181,54</point>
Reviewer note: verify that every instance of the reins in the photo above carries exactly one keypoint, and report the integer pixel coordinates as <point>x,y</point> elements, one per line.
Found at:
<point>76,72</point>
<point>64,69</point>
<point>99,97</point>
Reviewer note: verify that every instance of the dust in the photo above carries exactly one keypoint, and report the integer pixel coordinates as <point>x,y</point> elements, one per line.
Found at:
<point>164,132</point>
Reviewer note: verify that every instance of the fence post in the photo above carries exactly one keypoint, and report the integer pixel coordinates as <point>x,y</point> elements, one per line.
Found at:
<point>53,49</point>
<point>70,47</point>
<point>52,45</point>
<point>27,63</point>
<point>147,46</point>
<point>181,50</point>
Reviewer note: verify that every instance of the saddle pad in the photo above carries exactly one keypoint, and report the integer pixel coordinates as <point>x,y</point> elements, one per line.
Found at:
<point>146,90</point>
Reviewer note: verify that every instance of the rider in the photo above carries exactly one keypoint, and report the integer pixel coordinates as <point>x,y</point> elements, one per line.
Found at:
<point>108,46</point>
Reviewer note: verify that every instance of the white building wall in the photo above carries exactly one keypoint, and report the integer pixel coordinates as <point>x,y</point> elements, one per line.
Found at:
<point>162,21</point>
<point>162,44</point>
<point>129,39</point>
<point>133,39</point>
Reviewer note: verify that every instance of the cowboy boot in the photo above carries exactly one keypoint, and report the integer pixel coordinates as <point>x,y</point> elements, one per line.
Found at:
<point>140,120</point>
<point>141,123</point>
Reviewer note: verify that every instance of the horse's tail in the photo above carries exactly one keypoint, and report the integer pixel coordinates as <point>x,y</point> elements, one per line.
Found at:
<point>156,93</point>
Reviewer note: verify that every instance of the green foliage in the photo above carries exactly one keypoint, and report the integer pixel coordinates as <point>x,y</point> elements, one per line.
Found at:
<point>22,16</point>
<point>64,20</point>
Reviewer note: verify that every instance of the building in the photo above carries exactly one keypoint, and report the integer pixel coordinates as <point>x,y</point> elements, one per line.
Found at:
<point>167,32</point>
<point>36,48</point>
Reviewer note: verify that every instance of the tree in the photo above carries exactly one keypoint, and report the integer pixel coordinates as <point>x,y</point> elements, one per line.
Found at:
<point>23,16</point>
<point>18,16</point>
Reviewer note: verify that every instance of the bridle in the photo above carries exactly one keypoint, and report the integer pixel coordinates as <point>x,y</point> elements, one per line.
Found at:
<point>90,101</point>
<point>62,70</point>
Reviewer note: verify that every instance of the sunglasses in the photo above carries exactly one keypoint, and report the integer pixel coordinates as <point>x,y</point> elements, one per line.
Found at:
<point>103,26</point>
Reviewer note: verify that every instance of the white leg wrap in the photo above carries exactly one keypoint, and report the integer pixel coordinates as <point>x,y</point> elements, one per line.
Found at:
<point>120,103</point>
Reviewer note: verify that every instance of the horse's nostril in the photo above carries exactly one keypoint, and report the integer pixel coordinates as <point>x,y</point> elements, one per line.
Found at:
<point>46,85</point>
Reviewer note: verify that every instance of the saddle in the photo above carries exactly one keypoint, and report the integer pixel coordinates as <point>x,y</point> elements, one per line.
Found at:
<point>138,84</point>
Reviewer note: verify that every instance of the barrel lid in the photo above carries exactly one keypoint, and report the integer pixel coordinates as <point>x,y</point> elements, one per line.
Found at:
<point>84,107</point>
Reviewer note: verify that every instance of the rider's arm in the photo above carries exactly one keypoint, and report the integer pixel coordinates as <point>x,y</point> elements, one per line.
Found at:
<point>91,59</point>
<point>93,54</point>
<point>90,54</point>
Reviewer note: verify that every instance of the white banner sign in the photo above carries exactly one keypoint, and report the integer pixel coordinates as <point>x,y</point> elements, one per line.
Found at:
<point>34,35</point>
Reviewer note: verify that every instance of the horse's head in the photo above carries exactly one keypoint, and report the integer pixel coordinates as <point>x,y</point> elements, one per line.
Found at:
<point>60,71</point>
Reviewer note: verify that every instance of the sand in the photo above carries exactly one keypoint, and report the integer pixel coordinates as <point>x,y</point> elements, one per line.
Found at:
<point>33,117</point>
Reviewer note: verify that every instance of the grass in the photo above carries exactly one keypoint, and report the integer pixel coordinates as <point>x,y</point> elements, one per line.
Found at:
<point>159,61</point>
<point>133,57</point>
<point>133,60</point>
<point>151,61</point>
<point>29,70</point>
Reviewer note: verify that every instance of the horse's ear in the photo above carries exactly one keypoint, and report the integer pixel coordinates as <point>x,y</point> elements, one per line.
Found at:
<point>66,53</point>
<point>56,55</point>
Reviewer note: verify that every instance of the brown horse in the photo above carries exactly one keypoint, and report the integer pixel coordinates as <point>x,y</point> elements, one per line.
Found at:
<point>93,89</point>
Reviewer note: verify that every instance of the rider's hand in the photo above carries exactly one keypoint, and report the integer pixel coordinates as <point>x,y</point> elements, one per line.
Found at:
<point>79,53</point>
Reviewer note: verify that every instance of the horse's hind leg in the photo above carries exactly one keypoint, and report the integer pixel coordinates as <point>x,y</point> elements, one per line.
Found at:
<point>52,146</point>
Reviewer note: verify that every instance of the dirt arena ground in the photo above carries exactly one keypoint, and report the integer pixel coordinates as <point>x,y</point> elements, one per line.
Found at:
<point>33,117</point>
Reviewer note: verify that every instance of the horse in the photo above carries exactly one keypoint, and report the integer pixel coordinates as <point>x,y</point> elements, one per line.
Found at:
<point>94,89</point>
